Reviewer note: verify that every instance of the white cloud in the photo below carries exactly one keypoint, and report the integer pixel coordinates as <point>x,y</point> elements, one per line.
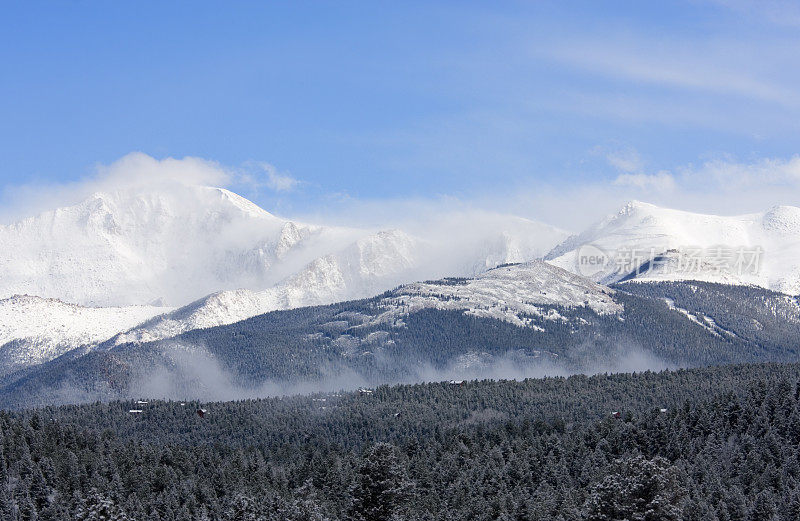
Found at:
<point>735,175</point>
<point>624,159</point>
<point>722,185</point>
<point>132,170</point>
<point>662,181</point>
<point>255,176</point>
<point>627,160</point>
<point>138,168</point>
<point>631,167</point>
<point>722,67</point>
<point>736,78</point>
<point>277,181</point>
<point>779,12</point>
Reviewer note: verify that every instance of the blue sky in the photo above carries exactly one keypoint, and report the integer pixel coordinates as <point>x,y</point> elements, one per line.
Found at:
<point>391,101</point>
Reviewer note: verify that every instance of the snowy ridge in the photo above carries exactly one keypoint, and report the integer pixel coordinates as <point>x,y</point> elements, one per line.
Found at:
<point>34,330</point>
<point>505,293</point>
<point>675,237</point>
<point>218,309</point>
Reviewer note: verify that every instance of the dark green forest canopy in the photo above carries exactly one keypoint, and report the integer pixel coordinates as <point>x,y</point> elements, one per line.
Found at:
<point>395,413</point>
<point>724,448</point>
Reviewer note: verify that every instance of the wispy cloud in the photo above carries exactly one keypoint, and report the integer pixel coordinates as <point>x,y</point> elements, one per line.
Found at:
<point>133,170</point>
<point>632,172</point>
<point>733,175</point>
<point>717,67</point>
<point>662,181</point>
<point>627,160</point>
<point>140,170</point>
<point>258,175</point>
<point>723,184</point>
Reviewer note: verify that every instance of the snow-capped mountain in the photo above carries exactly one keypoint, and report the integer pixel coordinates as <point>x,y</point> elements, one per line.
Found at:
<point>646,242</point>
<point>170,245</point>
<point>34,330</point>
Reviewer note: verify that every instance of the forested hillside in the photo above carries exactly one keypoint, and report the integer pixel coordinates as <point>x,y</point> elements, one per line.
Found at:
<point>360,343</point>
<point>766,319</point>
<point>716,443</point>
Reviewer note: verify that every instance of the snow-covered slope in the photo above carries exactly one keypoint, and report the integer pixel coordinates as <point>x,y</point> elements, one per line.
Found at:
<point>762,249</point>
<point>34,330</point>
<point>364,268</point>
<point>506,293</point>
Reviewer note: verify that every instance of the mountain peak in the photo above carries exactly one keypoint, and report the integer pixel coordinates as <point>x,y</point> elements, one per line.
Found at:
<point>634,205</point>
<point>134,244</point>
<point>245,205</point>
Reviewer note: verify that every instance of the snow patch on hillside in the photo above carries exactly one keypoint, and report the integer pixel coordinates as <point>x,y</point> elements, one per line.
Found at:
<point>511,293</point>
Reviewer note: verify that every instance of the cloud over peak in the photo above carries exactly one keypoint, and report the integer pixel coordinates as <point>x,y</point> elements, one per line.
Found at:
<point>138,168</point>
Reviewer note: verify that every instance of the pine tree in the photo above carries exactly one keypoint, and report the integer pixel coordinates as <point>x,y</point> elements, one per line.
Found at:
<point>6,506</point>
<point>244,508</point>
<point>638,490</point>
<point>97,507</point>
<point>305,506</point>
<point>764,508</point>
<point>383,487</point>
<point>26,510</point>
<point>39,490</point>
<point>791,509</point>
